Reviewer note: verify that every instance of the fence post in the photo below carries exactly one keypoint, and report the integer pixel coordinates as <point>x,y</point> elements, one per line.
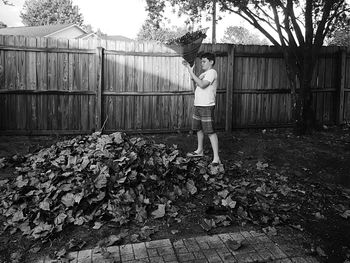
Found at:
<point>229,87</point>
<point>341,88</point>
<point>98,112</point>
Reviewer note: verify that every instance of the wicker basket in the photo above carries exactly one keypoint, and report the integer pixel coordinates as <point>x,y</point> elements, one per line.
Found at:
<point>189,51</point>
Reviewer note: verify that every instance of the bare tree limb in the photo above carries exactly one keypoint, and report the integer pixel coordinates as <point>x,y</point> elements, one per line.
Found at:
<point>290,13</point>
<point>308,23</point>
<point>278,24</point>
<point>333,19</point>
<point>321,27</point>
<point>251,20</point>
<point>269,23</point>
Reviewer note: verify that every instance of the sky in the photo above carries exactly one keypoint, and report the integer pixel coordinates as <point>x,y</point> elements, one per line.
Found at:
<point>116,17</point>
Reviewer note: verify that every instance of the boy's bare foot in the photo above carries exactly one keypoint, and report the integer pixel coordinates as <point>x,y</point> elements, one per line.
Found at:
<point>195,154</point>
<point>215,162</point>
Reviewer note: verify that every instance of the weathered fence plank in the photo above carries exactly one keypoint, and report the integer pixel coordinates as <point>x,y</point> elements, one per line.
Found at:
<point>31,84</point>
<point>100,70</point>
<point>229,88</point>
<point>341,89</point>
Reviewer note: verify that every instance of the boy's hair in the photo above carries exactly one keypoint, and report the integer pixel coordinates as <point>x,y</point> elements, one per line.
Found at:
<point>209,56</point>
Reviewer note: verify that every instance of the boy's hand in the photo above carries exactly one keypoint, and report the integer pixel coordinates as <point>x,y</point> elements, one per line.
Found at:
<point>186,64</point>
<point>189,68</point>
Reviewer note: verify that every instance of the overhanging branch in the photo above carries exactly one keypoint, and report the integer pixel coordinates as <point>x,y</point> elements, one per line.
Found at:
<point>321,27</point>
<point>251,20</point>
<point>278,24</point>
<point>290,12</point>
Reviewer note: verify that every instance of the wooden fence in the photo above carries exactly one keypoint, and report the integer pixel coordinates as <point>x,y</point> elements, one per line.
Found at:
<point>50,86</point>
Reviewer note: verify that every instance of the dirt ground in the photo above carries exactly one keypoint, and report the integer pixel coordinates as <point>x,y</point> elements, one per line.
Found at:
<point>321,158</point>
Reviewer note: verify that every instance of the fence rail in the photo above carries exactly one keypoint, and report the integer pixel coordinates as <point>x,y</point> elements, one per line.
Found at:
<point>52,86</point>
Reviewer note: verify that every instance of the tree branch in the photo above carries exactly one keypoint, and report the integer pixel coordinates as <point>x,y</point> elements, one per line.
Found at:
<point>251,20</point>
<point>268,22</point>
<point>321,27</point>
<point>333,19</point>
<point>290,13</point>
<point>309,33</point>
<point>256,24</point>
<point>278,24</point>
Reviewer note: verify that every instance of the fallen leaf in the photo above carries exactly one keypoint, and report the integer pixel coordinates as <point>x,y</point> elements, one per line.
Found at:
<point>207,224</point>
<point>271,231</point>
<point>261,166</point>
<point>18,216</point>
<point>233,244</point>
<point>223,193</point>
<point>41,230</point>
<point>160,212</point>
<point>2,162</point>
<point>101,181</point>
<point>321,252</point>
<point>61,253</point>
<point>35,250</point>
<point>76,244</point>
<point>60,219</point>
<point>141,214</point>
<point>45,205</point>
<point>16,257</point>
<point>97,225</point>
<point>229,202</point>
<point>346,214</point>
<point>68,199</point>
<point>297,227</point>
<point>134,238</point>
<point>111,240</point>
<point>3,182</point>
<point>318,215</point>
<point>191,187</point>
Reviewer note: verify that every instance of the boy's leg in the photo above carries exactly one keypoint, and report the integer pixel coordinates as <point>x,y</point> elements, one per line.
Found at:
<point>197,126</point>
<point>208,128</point>
<point>200,140</point>
<point>215,146</point>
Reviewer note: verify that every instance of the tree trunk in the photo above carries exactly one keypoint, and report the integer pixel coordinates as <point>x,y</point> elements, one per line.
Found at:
<point>292,73</point>
<point>293,79</point>
<point>300,78</point>
<point>306,120</point>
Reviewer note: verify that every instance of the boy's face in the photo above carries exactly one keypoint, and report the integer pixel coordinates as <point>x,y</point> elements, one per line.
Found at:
<point>206,64</point>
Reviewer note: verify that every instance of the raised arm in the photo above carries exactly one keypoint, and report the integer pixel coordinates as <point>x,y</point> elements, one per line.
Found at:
<point>202,83</point>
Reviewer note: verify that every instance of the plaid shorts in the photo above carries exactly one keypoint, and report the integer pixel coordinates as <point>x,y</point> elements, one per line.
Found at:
<point>203,119</point>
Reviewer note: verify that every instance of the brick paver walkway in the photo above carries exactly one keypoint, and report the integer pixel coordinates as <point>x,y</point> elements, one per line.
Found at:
<point>256,247</point>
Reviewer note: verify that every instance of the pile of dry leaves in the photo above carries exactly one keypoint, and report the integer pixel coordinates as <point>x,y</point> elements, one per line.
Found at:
<point>94,179</point>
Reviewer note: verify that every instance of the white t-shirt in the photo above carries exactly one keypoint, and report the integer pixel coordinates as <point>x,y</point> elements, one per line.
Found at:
<point>206,97</point>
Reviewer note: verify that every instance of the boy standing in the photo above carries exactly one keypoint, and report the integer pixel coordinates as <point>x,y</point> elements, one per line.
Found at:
<point>204,105</point>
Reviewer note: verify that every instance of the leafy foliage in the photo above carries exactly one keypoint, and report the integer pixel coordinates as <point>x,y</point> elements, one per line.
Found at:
<point>2,24</point>
<point>192,8</point>
<point>48,12</point>
<point>6,2</point>
<point>149,32</point>
<point>341,37</point>
<point>155,9</point>
<point>242,36</point>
